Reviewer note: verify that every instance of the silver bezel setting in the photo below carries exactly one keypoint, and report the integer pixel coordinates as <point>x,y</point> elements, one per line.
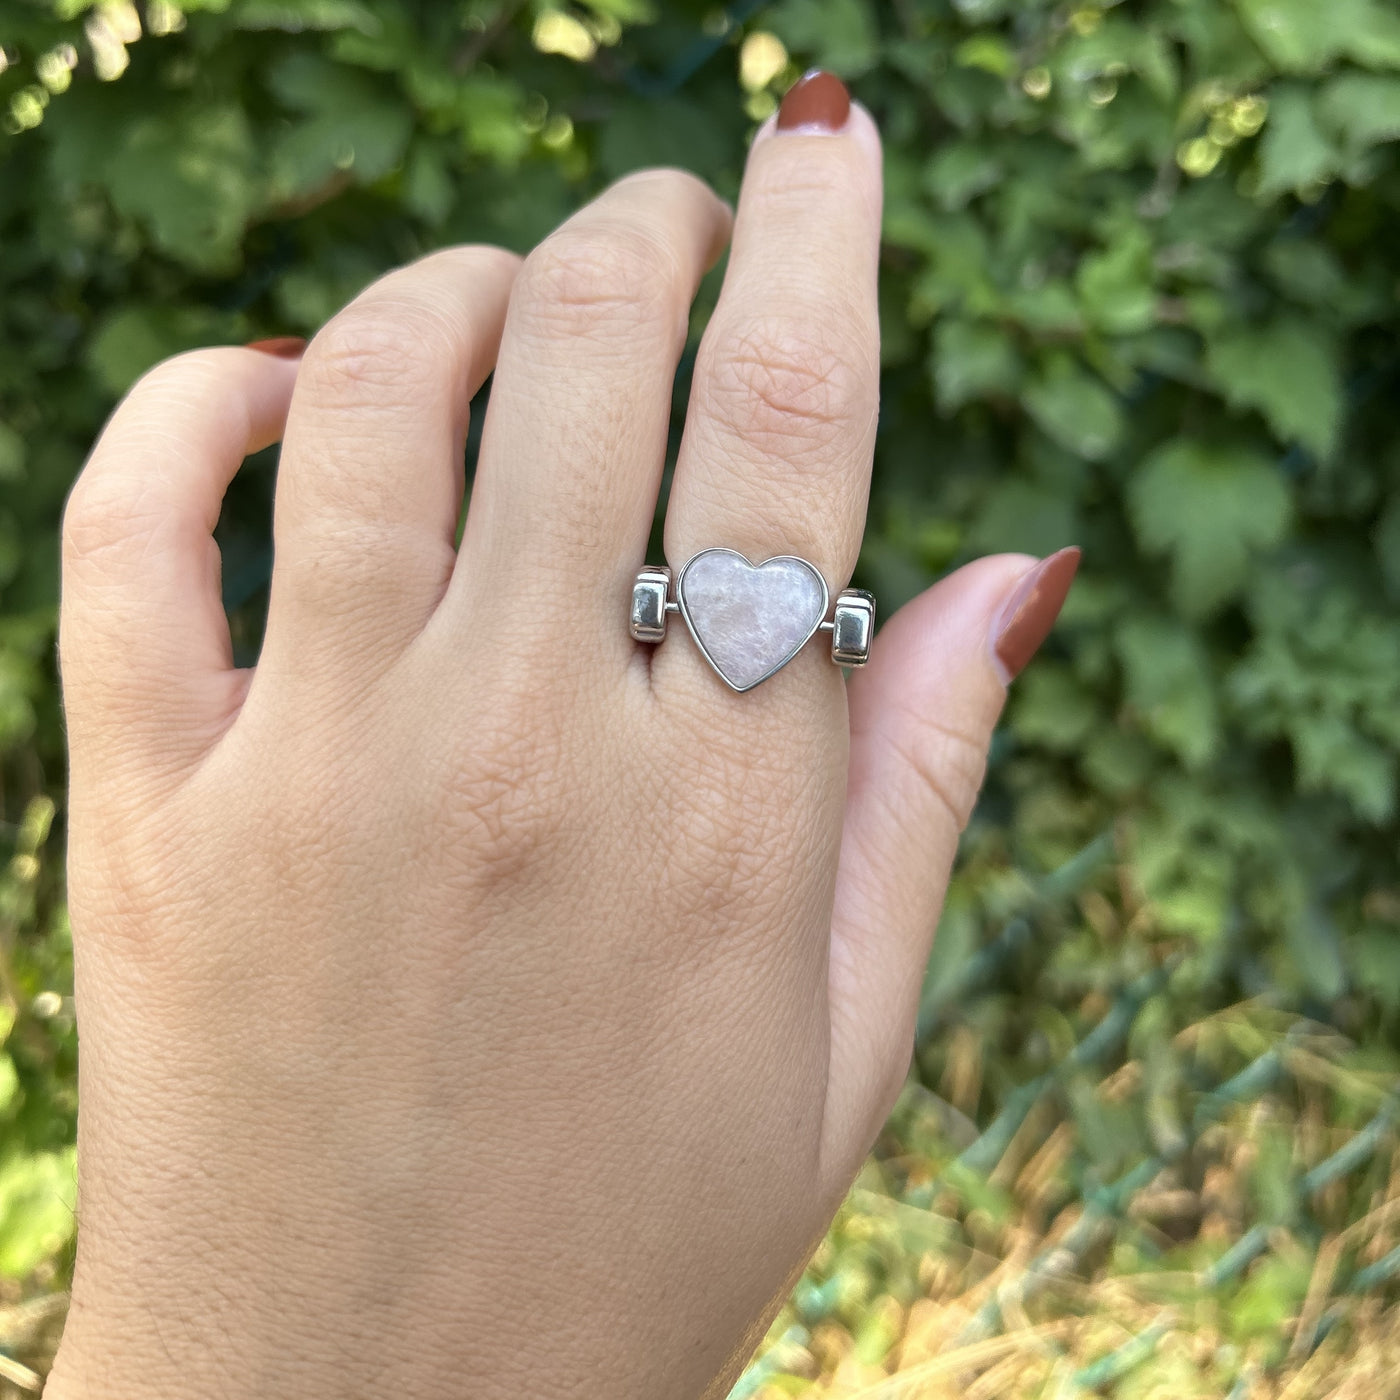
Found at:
<point>851,625</point>
<point>690,625</point>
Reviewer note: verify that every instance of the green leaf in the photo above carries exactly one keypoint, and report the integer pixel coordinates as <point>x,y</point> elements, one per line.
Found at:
<point>1387,543</point>
<point>130,340</point>
<point>1031,516</point>
<point>189,177</point>
<point>1168,684</point>
<point>37,1199</point>
<point>1315,952</point>
<point>11,454</point>
<point>1053,709</point>
<point>838,35</point>
<point>353,128</point>
<point>1332,757</point>
<point>1374,952</point>
<point>961,171</point>
<point>1303,36</point>
<point>1286,370</point>
<point>294,16</point>
<point>624,11</point>
<point>1115,762</point>
<point>1269,1296</point>
<point>989,52</point>
<point>1074,408</point>
<point>1298,36</point>
<point>1210,510</point>
<point>1116,284</point>
<point>1361,109</point>
<point>973,360</point>
<point>1294,154</point>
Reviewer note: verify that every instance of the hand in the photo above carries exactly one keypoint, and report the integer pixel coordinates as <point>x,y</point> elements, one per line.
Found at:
<point>472,1001</point>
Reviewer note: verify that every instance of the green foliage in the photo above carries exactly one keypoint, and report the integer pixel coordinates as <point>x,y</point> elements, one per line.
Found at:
<point>1139,294</point>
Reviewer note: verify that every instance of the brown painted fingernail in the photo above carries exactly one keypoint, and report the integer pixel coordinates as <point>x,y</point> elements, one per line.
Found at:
<point>1030,612</point>
<point>288,347</point>
<point>817,101</point>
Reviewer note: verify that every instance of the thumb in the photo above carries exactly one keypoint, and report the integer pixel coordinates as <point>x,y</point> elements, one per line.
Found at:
<point>922,715</point>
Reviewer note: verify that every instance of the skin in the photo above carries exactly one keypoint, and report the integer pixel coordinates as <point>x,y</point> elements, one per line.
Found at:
<point>474,1002</point>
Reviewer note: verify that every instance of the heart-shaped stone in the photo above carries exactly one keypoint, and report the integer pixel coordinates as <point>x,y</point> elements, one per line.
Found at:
<point>750,620</point>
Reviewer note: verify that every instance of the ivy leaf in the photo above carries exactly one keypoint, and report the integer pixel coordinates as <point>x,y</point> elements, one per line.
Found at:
<point>295,16</point>
<point>1210,510</point>
<point>1294,152</point>
<point>1287,371</point>
<point>971,360</point>
<point>989,52</point>
<point>1362,108</point>
<point>190,178</point>
<point>1332,757</point>
<point>1315,949</point>
<point>11,454</point>
<point>1296,35</point>
<point>1303,36</point>
<point>352,128</point>
<point>960,172</point>
<point>1055,710</point>
<point>1023,515</point>
<point>1075,409</point>
<point>839,35</point>
<point>1115,284</point>
<point>1168,683</point>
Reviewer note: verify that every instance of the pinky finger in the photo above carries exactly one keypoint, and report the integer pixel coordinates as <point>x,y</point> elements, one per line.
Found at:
<point>143,639</point>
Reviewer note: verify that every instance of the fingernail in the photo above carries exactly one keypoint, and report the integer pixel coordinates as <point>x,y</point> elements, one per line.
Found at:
<point>286,346</point>
<point>817,101</point>
<point>1030,612</point>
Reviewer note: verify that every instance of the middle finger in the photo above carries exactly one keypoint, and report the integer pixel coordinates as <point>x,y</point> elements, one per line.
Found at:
<point>781,426</point>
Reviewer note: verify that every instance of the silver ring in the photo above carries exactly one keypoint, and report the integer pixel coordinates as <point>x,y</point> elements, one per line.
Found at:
<point>750,620</point>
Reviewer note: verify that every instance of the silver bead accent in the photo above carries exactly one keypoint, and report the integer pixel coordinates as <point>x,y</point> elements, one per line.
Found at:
<point>852,626</point>
<point>650,594</point>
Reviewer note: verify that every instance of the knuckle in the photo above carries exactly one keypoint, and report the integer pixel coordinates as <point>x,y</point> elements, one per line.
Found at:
<point>668,186</point>
<point>397,348</point>
<point>781,382</point>
<point>600,281</point>
<point>102,515</point>
<point>484,260</point>
<point>182,377</point>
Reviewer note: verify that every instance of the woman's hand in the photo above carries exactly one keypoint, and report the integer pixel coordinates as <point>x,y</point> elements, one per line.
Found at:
<point>473,1002</point>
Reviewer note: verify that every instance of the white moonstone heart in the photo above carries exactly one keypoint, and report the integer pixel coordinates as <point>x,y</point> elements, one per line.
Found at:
<point>750,620</point>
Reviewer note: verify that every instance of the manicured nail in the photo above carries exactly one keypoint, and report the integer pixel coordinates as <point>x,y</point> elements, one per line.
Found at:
<point>1030,612</point>
<point>817,101</point>
<point>289,347</point>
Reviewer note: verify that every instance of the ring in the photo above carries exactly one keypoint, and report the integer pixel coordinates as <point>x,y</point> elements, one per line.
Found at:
<point>750,620</point>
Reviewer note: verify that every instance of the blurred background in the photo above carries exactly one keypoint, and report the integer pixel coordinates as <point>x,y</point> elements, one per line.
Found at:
<point>1140,292</point>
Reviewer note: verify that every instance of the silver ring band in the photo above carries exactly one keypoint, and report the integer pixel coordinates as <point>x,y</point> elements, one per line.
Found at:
<point>750,620</point>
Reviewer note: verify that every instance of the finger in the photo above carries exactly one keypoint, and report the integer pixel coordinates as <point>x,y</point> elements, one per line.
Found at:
<point>922,715</point>
<point>575,436</point>
<point>142,633</point>
<point>371,475</point>
<point>778,439</point>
